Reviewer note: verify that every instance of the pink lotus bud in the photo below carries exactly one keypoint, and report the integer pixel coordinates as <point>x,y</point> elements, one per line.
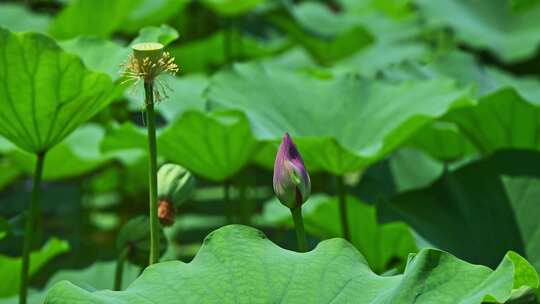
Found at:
<point>291,180</point>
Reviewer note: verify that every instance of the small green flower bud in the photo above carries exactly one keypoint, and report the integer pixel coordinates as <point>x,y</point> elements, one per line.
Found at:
<point>175,184</point>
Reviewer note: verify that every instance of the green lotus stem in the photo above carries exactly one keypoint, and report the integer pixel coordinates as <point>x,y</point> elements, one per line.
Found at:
<point>31,226</point>
<point>119,271</point>
<point>343,208</point>
<point>152,171</point>
<point>299,228</point>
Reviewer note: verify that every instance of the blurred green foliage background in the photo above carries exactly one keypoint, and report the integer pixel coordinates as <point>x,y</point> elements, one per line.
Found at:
<point>428,112</point>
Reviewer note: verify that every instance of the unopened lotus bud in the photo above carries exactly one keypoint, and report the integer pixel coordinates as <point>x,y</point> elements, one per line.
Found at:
<point>166,213</point>
<point>291,180</point>
<point>175,184</point>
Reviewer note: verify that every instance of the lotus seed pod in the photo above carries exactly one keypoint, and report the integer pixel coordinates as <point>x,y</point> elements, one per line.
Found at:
<point>151,50</point>
<point>291,179</point>
<point>175,184</point>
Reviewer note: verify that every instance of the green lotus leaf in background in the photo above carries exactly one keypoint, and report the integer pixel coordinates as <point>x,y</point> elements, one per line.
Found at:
<point>97,276</point>
<point>163,34</point>
<point>512,35</point>
<point>4,228</point>
<point>500,120</point>
<point>45,93</point>
<point>294,58</point>
<point>91,50</point>
<point>478,211</point>
<point>493,122</point>
<point>393,8</point>
<point>9,171</point>
<point>124,137</point>
<point>232,8</point>
<point>152,12</point>
<point>91,17</point>
<point>413,169</point>
<point>16,17</point>
<point>317,18</point>
<point>10,266</point>
<point>523,4</point>
<point>106,56</point>
<point>186,94</point>
<point>327,36</point>
<point>398,39</point>
<point>466,70</point>
<point>340,124</point>
<point>443,141</point>
<point>213,145</point>
<point>383,246</point>
<point>78,154</point>
<point>237,264</point>
<point>207,54</point>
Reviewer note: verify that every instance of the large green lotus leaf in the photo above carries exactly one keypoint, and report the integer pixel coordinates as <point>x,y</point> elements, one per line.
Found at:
<point>384,246</point>
<point>152,12</point>
<point>17,17</point>
<point>379,116</point>
<point>45,93</point>
<point>77,155</point>
<point>214,145</point>
<point>231,8</point>
<point>238,264</point>
<point>97,276</point>
<point>507,112</point>
<point>91,17</point>
<point>512,35</point>
<point>500,120</point>
<point>10,266</point>
<point>478,211</point>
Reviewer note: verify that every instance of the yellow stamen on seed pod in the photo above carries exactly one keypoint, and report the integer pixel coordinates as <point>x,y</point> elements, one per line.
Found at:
<point>148,61</point>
